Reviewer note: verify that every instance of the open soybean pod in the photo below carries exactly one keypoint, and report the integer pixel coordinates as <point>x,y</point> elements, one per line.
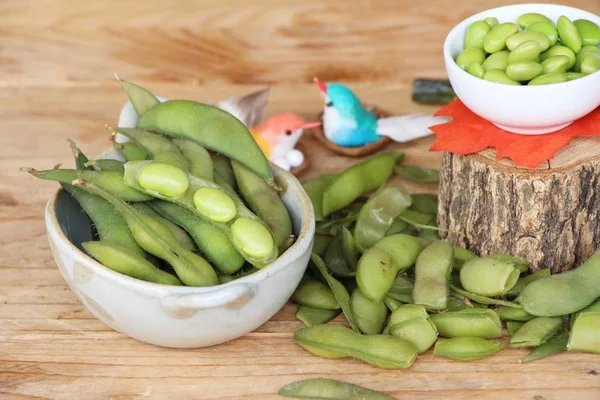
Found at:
<point>537,331</point>
<point>585,334</point>
<point>411,322</point>
<point>210,127</point>
<point>315,316</point>
<point>369,315</point>
<point>513,314</point>
<point>466,348</point>
<point>178,232</point>
<point>248,233</point>
<point>564,293</point>
<point>357,180</point>
<point>487,276</point>
<point>157,240</point>
<point>378,266</point>
<point>329,389</point>
<point>432,272</point>
<point>336,259</point>
<point>470,322</point>
<point>316,294</point>
<point>378,213</point>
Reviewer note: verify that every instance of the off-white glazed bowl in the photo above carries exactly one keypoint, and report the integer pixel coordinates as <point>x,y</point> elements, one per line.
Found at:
<point>176,316</point>
<point>530,110</point>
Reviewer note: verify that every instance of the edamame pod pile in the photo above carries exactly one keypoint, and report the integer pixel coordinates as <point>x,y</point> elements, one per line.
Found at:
<point>533,51</point>
<point>377,259</point>
<point>171,214</point>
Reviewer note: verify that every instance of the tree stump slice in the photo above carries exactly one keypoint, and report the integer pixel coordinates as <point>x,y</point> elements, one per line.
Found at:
<point>548,216</point>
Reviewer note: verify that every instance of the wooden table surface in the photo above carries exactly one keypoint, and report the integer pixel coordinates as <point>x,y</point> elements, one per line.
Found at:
<point>56,64</point>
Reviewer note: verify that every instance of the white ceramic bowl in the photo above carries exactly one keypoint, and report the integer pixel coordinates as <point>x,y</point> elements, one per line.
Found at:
<point>176,316</point>
<point>531,110</point>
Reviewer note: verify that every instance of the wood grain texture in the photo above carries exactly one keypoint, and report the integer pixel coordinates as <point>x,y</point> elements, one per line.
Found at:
<point>56,64</point>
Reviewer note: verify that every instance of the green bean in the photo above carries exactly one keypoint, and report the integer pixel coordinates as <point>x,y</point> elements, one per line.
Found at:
<point>499,76</point>
<point>475,69</point>
<point>588,31</point>
<point>417,174</point>
<point>336,260</point>
<point>432,270</point>
<point>377,215</point>
<point>191,269</point>
<point>131,151</point>
<point>491,21</point>
<point>470,55</point>
<point>584,336</point>
<point>106,165</point>
<point>329,389</point>
<point>545,28</point>
<point>495,40</point>
<point>568,34</point>
<point>378,266</point>
<point>556,344</point>
<point>513,314</point>
<point>199,159</point>
<point>524,70</point>
<point>564,293</point>
<point>513,41</point>
<point>111,181</point>
<point>179,233</point>
<point>476,33</point>
<point>513,326</point>
<point>247,232</point>
<point>391,303</point>
<point>466,348</point>
<point>526,51</point>
<point>311,316</point>
<point>211,241</point>
<point>336,341</point>
<point>498,60</point>
<point>369,315</point>
<point>528,19</point>
<point>411,322</point>
<point>524,281</point>
<point>482,299</point>
<point>264,201</point>
<point>315,294</point>
<point>210,127</point>
<point>536,331</point>
<point>488,276</point>
<point>126,262</point>
<point>470,322</point>
<point>141,99</point>
<point>560,51</point>
<point>339,291</point>
<point>461,256</point>
<point>357,180</point>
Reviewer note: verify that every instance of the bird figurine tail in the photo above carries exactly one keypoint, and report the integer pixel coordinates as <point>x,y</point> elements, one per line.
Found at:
<point>405,128</point>
<point>249,109</point>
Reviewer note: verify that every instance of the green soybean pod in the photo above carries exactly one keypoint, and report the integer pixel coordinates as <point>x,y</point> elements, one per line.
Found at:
<point>199,159</point>
<point>590,63</point>
<point>545,28</point>
<point>555,64</point>
<point>526,51</point>
<point>495,40</point>
<point>536,331</point>
<point>524,70</point>
<point>126,262</point>
<point>424,202</point>
<point>432,271</point>
<point>498,60</point>
<point>461,256</point>
<point>515,40</point>
<point>315,294</point>
<point>336,259</point>
<point>476,33</point>
<point>556,344</point>
<point>498,76</point>
<point>378,213</point>
<point>141,98</point>
<point>223,171</point>
<point>106,165</point>
<point>513,326</point>
<point>560,51</point>
<point>315,189</point>
<point>470,55</point>
<point>528,19</point>
<point>524,281</point>
<point>414,173</point>
<point>329,389</point>
<point>321,244</point>
<point>361,178</point>
<point>412,323</point>
<point>584,335</point>
<point>466,348</point>
<point>588,31</point>
<point>349,248</point>
<point>594,307</point>
<point>491,21</point>
<point>568,34</point>
<point>470,322</point>
<point>564,293</point>
<point>401,289</point>
<point>369,315</point>
<point>513,314</point>
<point>311,316</point>
<point>264,201</point>
<point>391,303</point>
<point>518,262</point>
<point>178,233</point>
<point>488,276</point>
<point>130,151</point>
<point>476,70</point>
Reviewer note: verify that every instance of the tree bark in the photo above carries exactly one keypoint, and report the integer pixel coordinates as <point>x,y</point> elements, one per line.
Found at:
<point>548,216</point>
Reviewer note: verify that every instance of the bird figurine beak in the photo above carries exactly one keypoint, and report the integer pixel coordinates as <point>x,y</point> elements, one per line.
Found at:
<point>309,125</point>
<point>320,85</point>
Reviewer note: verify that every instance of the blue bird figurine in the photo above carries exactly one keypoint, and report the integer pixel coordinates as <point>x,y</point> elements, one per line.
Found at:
<point>347,123</point>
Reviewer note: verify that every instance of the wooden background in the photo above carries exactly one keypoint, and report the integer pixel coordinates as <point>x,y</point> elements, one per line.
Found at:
<point>57,59</point>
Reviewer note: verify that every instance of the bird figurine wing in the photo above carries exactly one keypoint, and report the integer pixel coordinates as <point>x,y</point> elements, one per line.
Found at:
<point>249,109</point>
<point>405,128</point>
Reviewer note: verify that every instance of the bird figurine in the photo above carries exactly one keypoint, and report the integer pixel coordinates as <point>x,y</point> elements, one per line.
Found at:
<point>277,137</point>
<point>347,123</point>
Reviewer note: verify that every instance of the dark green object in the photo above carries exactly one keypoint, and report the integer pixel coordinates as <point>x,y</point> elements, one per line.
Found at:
<point>554,345</point>
<point>426,203</point>
<point>337,261</point>
<point>417,174</point>
<point>432,91</point>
